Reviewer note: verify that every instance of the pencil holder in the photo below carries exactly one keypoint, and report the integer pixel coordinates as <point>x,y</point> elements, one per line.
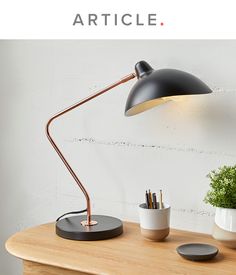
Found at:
<point>154,223</point>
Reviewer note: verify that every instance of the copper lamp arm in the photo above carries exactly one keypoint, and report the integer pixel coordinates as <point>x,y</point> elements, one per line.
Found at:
<point>121,81</point>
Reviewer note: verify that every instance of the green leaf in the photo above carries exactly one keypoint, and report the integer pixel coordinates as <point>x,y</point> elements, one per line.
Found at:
<point>223,187</point>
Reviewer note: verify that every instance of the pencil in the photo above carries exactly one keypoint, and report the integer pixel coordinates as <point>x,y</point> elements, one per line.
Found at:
<point>147,199</point>
<point>160,200</point>
<point>150,199</point>
<point>154,199</point>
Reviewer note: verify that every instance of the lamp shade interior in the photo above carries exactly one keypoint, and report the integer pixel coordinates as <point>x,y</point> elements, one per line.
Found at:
<point>155,87</point>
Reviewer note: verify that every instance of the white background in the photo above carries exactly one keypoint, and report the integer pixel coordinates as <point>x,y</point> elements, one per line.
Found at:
<point>115,160</point>
<point>54,19</point>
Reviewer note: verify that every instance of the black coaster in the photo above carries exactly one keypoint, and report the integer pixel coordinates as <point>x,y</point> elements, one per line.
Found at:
<point>197,251</point>
<point>106,228</point>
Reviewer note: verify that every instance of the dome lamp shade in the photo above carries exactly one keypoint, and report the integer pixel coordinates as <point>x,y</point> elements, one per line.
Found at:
<point>155,87</point>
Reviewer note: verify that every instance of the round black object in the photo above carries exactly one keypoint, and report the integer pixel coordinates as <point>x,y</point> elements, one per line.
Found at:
<point>106,228</point>
<point>197,251</point>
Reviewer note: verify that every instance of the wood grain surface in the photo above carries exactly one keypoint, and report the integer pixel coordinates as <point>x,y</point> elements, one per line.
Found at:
<point>32,268</point>
<point>127,254</point>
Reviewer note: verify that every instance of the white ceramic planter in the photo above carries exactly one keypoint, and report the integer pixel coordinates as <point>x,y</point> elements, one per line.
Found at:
<point>224,229</point>
<point>225,218</point>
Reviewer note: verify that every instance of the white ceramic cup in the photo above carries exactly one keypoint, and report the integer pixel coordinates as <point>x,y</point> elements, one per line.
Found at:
<point>154,223</point>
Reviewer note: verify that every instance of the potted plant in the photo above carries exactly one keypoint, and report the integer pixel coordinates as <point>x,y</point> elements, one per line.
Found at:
<point>222,195</point>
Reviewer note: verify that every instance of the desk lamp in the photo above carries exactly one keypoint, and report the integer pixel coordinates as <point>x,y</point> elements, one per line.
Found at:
<point>153,87</point>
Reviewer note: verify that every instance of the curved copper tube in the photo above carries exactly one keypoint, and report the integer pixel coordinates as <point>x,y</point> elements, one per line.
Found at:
<point>121,81</point>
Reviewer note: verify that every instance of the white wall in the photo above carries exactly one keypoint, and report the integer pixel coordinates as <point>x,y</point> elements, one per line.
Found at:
<point>172,147</point>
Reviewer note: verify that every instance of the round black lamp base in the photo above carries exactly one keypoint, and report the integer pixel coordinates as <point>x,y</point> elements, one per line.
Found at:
<point>106,228</point>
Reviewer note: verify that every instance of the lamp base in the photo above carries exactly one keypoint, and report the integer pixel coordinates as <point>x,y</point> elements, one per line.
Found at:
<point>106,228</point>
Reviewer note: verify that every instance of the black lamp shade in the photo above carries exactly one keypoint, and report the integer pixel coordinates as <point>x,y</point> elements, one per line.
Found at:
<point>155,87</point>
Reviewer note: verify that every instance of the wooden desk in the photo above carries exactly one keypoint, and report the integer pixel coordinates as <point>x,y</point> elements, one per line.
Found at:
<point>43,252</point>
